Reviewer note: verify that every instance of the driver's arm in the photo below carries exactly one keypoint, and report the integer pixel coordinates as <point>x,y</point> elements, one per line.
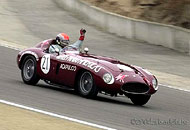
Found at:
<point>79,43</point>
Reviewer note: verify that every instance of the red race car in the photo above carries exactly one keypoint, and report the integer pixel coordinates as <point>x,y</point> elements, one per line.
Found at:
<point>86,73</point>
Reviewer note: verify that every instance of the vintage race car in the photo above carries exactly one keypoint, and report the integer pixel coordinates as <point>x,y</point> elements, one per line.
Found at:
<point>86,73</point>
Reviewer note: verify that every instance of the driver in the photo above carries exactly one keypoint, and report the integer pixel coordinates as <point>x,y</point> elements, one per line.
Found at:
<point>62,42</point>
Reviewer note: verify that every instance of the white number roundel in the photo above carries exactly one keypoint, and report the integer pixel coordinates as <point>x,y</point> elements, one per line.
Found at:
<point>45,64</point>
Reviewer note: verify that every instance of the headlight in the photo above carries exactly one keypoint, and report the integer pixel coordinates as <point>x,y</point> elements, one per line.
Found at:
<point>108,78</point>
<point>155,84</point>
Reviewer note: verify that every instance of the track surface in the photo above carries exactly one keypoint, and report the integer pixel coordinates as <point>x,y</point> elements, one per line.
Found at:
<point>113,112</point>
<point>32,21</point>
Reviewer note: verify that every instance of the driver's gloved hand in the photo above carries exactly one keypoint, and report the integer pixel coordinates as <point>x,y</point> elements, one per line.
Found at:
<point>82,34</point>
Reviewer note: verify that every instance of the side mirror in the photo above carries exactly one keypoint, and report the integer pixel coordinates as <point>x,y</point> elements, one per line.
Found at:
<point>86,50</point>
<point>57,50</point>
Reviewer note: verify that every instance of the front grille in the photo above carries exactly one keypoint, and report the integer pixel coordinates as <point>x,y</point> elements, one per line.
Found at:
<point>138,88</point>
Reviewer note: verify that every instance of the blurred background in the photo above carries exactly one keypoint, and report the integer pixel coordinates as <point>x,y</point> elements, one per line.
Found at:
<point>174,12</point>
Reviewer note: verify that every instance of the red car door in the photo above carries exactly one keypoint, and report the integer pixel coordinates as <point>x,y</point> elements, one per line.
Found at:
<point>66,72</point>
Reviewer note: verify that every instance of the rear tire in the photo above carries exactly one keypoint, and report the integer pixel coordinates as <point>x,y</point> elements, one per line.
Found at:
<point>28,71</point>
<point>86,85</point>
<point>139,100</point>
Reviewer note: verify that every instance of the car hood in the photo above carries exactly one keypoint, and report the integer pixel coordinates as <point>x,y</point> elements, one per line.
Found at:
<point>114,65</point>
<point>111,63</point>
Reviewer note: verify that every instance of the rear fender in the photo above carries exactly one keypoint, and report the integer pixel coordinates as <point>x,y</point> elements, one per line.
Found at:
<point>24,54</point>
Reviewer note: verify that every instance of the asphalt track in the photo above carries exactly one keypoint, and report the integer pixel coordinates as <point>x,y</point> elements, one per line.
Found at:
<point>32,21</point>
<point>167,104</point>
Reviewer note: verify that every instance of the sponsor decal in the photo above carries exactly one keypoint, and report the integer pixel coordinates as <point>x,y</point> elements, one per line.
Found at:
<point>121,77</point>
<point>45,63</point>
<point>93,66</point>
<point>68,67</point>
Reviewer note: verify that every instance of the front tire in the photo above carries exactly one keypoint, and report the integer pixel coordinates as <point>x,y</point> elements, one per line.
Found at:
<point>139,99</point>
<point>86,85</point>
<point>28,71</point>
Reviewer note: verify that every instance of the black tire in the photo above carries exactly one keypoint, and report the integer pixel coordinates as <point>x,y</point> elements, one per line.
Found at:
<point>86,85</point>
<point>28,71</point>
<point>139,99</point>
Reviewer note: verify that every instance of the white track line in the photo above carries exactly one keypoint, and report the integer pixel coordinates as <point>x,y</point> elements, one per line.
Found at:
<point>56,115</point>
<point>174,87</point>
<point>11,45</point>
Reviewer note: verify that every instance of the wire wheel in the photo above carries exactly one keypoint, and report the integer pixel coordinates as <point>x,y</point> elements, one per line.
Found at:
<point>28,71</point>
<point>86,82</point>
<point>86,85</point>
